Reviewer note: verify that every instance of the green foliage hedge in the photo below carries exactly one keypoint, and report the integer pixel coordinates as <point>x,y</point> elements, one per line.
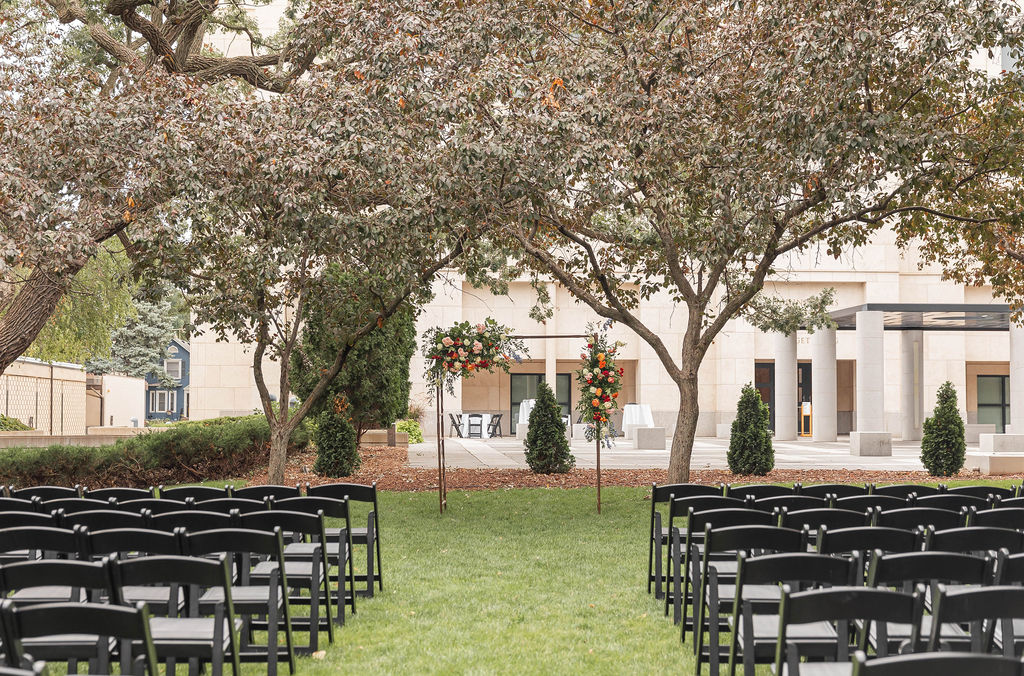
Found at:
<point>412,427</point>
<point>943,449</point>
<point>547,449</point>
<point>750,441</point>
<point>337,448</point>
<point>8,424</point>
<point>219,448</point>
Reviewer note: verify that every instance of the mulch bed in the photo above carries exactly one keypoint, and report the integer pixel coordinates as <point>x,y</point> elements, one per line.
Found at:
<point>390,469</point>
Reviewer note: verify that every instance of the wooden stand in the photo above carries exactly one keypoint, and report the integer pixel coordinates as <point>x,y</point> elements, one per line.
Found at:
<point>597,428</point>
<point>442,479</point>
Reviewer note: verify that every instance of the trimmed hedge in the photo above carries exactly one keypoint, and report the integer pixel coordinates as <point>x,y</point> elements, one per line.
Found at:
<point>412,428</point>
<point>220,448</point>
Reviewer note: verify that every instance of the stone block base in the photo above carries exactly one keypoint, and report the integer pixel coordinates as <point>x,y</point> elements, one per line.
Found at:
<point>522,429</point>
<point>996,463</point>
<point>579,431</point>
<point>972,432</point>
<point>723,430</point>
<point>1001,443</point>
<point>870,443</point>
<point>650,438</point>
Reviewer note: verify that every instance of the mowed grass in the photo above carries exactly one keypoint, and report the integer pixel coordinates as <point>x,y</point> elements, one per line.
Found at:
<point>510,581</point>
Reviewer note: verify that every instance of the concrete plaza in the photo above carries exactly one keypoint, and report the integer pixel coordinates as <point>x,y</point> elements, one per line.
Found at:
<point>708,453</point>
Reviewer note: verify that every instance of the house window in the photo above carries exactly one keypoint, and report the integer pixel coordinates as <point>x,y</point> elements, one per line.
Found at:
<point>173,368</point>
<point>162,401</point>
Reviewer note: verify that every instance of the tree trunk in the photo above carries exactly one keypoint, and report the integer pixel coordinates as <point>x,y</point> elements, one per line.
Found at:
<point>28,313</point>
<point>278,454</point>
<point>686,430</point>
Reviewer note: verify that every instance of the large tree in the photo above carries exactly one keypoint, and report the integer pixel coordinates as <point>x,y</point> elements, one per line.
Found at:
<point>94,121</point>
<point>687,148</point>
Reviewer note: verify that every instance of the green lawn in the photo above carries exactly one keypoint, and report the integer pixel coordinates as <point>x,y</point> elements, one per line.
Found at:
<point>526,581</point>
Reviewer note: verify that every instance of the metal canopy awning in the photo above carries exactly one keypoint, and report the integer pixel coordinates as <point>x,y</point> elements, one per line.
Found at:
<point>929,316</point>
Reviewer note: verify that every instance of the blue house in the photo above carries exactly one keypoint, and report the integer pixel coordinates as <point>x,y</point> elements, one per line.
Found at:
<point>170,403</point>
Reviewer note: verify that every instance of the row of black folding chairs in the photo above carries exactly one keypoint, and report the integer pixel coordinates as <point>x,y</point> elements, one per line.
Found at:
<point>266,581</point>
<point>47,499</point>
<point>199,619</point>
<point>681,496</point>
<point>785,607</point>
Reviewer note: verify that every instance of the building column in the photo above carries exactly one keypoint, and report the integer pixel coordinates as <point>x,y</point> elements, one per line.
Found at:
<point>870,372</point>
<point>785,386</point>
<point>1016,378</point>
<point>823,385</point>
<point>911,384</point>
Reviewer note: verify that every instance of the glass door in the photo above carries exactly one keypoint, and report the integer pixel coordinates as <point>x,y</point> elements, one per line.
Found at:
<point>994,401</point>
<point>522,386</point>
<point>764,382</point>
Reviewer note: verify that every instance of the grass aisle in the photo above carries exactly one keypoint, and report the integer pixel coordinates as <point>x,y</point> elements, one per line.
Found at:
<point>525,581</point>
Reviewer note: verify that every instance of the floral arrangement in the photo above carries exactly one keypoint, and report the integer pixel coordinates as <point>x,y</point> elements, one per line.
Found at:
<point>464,349</point>
<point>600,381</point>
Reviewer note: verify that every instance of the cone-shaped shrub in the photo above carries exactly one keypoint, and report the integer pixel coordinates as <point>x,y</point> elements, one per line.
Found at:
<point>750,442</point>
<point>943,449</point>
<point>337,451</point>
<point>547,450</point>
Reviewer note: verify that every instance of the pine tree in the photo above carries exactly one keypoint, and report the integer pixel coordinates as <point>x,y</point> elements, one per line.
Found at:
<point>337,451</point>
<point>943,448</point>
<point>750,441</point>
<point>547,450</point>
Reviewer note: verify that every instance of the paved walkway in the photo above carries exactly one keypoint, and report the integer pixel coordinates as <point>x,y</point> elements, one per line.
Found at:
<point>708,453</point>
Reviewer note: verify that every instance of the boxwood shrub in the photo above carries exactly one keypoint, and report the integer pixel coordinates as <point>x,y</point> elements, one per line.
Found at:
<point>220,448</point>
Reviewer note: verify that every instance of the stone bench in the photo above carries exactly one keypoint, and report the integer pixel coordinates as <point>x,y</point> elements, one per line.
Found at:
<point>972,432</point>
<point>650,438</point>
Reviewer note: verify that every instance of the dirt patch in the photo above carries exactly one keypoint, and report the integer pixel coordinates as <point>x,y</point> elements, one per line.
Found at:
<point>390,469</point>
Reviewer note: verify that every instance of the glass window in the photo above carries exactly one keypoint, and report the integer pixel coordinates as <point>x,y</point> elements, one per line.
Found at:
<point>990,390</point>
<point>173,368</point>
<point>994,401</point>
<point>522,386</point>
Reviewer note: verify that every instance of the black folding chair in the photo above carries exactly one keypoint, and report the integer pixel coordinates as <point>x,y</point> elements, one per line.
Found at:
<point>311,574</point>
<point>1010,502</point>
<point>862,503</point>
<point>1000,517</point>
<point>846,608</point>
<point>658,535</point>
<point>196,637</point>
<point>836,490</point>
<point>44,492</point>
<point>20,519</point>
<point>684,554</point>
<point>985,491</point>
<point>858,543</point>
<point>260,606</point>
<point>368,537</point>
<point>755,622</point>
<point>991,612</point>
<point>680,508</point>
<point>932,664</point>
<point>73,505</point>
<point>906,571</point>
<point>717,592</point>
<point>954,502</point>
<point>124,543</point>
<point>154,505</point>
<point>242,505</point>
<point>977,539</point>
<point>338,551</point>
<point>197,493</point>
<point>759,491</point>
<point>102,519</point>
<point>261,492</point>
<point>920,517</point>
<point>77,619</point>
<point>119,494</point>
<point>494,426</point>
<point>36,542</point>
<point>904,491</point>
<point>793,502</point>
<point>192,520</point>
<point>816,518</point>
<point>54,581</point>
<point>475,429</point>
<point>20,505</point>
<point>455,424</point>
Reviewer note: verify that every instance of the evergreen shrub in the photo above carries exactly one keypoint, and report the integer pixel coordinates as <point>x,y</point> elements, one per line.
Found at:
<point>750,441</point>
<point>943,447</point>
<point>547,449</point>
